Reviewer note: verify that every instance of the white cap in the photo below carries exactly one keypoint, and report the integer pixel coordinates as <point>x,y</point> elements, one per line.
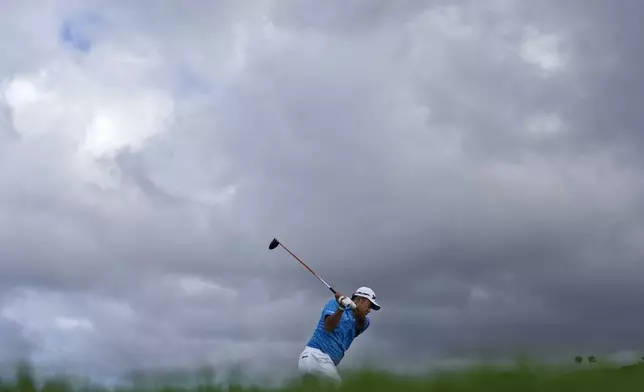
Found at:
<point>367,293</point>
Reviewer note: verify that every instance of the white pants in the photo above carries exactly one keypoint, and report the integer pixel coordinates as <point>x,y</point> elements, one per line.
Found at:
<point>314,362</point>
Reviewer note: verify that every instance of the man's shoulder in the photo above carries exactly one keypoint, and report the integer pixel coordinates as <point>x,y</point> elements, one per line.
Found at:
<point>330,306</point>
<point>331,303</point>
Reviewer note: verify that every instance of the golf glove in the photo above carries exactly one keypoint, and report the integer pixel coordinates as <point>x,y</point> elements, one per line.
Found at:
<point>346,302</point>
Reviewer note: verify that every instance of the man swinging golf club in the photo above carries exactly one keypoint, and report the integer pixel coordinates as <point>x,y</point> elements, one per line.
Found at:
<point>341,321</point>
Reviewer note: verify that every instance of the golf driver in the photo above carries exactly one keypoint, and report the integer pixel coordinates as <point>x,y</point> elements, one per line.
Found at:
<point>275,243</point>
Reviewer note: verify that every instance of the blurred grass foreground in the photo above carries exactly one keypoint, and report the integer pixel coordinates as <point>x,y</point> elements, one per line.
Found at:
<point>483,378</point>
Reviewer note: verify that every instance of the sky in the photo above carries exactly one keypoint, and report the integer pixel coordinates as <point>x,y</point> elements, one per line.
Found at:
<point>475,163</point>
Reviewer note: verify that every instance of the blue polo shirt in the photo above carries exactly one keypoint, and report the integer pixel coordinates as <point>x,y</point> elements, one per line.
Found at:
<point>336,342</point>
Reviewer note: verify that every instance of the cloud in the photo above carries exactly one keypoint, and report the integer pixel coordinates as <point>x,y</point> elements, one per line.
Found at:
<point>475,164</point>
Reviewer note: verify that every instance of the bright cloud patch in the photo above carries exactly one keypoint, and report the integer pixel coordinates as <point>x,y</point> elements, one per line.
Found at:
<point>542,49</point>
<point>94,118</point>
<point>545,125</point>
<point>74,324</point>
<point>194,285</point>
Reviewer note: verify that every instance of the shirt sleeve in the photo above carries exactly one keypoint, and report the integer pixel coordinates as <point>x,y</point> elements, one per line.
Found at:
<point>330,308</point>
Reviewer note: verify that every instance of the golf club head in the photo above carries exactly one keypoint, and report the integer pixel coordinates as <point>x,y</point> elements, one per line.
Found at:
<point>273,244</point>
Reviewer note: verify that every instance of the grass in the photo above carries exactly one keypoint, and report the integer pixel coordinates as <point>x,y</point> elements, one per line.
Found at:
<point>520,377</point>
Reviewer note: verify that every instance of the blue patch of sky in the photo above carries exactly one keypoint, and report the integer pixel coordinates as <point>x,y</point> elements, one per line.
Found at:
<point>78,30</point>
<point>189,82</point>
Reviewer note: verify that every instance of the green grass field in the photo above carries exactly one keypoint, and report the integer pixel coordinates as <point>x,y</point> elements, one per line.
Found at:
<point>520,378</point>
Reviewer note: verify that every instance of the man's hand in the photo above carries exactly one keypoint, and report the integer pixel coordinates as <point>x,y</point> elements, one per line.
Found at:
<point>344,301</point>
<point>332,321</point>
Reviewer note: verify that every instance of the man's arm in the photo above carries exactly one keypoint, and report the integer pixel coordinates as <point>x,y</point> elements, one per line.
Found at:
<point>332,321</point>
<point>363,326</point>
<point>360,322</point>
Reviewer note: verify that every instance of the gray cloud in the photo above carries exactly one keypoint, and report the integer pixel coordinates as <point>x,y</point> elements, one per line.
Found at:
<point>475,164</point>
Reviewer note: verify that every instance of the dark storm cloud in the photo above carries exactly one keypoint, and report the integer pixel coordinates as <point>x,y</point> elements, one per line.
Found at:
<point>512,203</point>
<point>488,195</point>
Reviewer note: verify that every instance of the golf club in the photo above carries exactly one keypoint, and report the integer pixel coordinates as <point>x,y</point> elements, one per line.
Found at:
<point>275,243</point>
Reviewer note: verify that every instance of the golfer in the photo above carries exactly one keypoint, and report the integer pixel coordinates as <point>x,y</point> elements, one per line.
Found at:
<point>341,321</point>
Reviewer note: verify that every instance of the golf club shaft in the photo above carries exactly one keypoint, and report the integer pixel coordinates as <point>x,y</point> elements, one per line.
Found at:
<point>307,267</point>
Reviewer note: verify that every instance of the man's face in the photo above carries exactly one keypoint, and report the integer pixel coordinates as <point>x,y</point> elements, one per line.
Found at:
<point>363,306</point>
